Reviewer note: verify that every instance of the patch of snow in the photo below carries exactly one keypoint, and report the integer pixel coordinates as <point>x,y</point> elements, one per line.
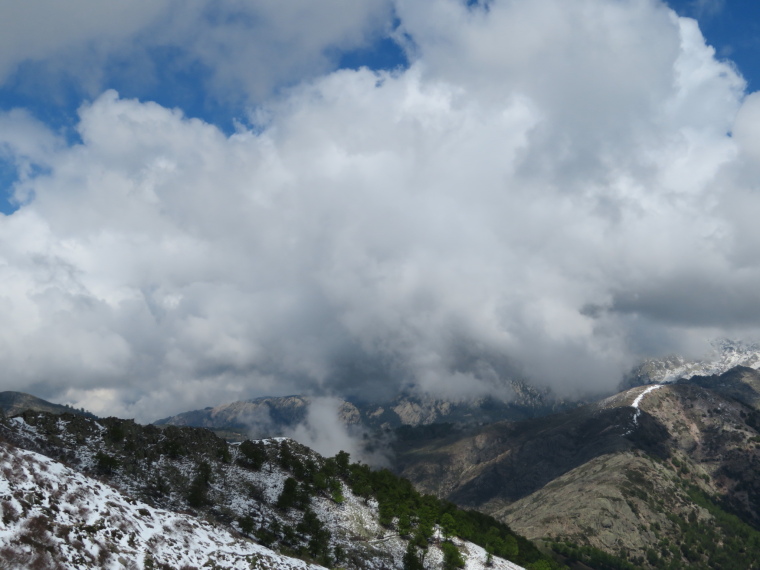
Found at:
<point>91,525</point>
<point>635,405</point>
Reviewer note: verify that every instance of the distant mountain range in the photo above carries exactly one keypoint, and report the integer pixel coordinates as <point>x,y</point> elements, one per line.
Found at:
<point>664,474</point>
<point>276,415</point>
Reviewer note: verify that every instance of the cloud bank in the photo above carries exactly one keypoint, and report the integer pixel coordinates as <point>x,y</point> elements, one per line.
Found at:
<point>550,190</point>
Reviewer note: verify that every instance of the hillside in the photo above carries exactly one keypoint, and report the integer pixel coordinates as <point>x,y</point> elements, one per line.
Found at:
<point>275,492</point>
<point>54,518</point>
<point>14,403</point>
<point>656,483</point>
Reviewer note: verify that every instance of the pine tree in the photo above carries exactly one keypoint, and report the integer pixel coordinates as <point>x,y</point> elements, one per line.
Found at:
<point>411,559</point>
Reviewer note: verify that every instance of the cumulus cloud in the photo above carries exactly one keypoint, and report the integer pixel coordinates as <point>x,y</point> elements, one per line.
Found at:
<point>243,50</point>
<point>551,190</point>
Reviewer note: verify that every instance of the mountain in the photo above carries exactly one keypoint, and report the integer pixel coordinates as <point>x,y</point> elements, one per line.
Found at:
<point>13,403</point>
<point>276,415</point>
<point>726,354</point>
<point>136,496</point>
<point>664,476</point>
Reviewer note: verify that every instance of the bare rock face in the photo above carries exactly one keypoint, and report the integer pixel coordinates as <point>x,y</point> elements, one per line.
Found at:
<point>424,413</point>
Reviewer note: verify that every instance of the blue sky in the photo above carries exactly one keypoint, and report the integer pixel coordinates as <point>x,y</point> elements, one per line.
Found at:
<point>218,200</point>
<point>733,28</point>
<point>177,80</point>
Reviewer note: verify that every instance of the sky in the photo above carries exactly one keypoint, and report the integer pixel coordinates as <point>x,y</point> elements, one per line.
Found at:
<point>217,200</point>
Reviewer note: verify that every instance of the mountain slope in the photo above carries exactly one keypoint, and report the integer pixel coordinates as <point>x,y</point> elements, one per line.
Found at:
<point>275,491</point>
<point>632,475</point>
<point>55,517</point>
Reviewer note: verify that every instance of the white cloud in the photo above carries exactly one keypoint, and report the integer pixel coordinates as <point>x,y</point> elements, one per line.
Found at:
<point>242,50</point>
<point>549,189</point>
<point>323,431</point>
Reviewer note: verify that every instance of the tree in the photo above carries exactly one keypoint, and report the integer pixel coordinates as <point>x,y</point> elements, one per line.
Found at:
<point>411,559</point>
<point>252,455</point>
<point>452,559</point>
<point>342,461</point>
<point>404,524</point>
<point>336,491</point>
<point>289,494</point>
<point>198,493</point>
<point>448,524</point>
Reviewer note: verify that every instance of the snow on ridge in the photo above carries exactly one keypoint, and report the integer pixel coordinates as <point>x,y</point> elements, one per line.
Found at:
<point>638,399</point>
<point>636,403</point>
<point>727,354</point>
<point>47,507</point>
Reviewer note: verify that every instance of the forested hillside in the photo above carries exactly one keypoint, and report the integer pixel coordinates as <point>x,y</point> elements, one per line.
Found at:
<point>281,494</point>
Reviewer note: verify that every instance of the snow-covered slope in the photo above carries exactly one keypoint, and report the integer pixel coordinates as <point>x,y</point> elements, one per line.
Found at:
<point>49,508</point>
<point>726,355</point>
<point>54,517</point>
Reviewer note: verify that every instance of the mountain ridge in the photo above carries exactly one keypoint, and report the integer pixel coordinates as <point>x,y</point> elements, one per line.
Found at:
<point>329,516</point>
<point>628,480</point>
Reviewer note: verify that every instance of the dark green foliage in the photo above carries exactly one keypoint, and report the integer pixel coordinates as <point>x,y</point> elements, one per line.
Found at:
<point>246,524</point>
<point>342,461</point>
<point>310,523</point>
<point>592,557</point>
<point>724,542</point>
<point>293,496</point>
<point>252,455</point>
<point>285,457</point>
<point>302,470</point>
<point>115,432</point>
<point>105,463</point>
<point>448,525</point>
<point>411,559</point>
<point>336,491</point>
<point>289,535</point>
<point>339,554</point>
<point>268,536</point>
<point>197,496</point>
<point>452,558</point>
<point>289,494</point>
<point>416,515</point>
<point>321,481</point>
<point>223,453</point>
<point>312,532</point>
<point>158,486</point>
<point>405,525</point>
